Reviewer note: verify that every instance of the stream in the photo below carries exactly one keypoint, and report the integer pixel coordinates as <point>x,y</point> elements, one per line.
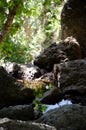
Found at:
<point>62,103</point>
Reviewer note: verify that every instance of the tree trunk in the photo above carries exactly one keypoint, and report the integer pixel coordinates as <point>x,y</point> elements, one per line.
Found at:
<point>8,24</point>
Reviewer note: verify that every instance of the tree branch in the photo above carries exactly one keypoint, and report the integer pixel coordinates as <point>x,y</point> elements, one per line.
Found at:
<point>8,24</point>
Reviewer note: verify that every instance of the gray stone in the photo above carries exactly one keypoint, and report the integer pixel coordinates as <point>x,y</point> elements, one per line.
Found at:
<point>20,112</point>
<point>52,96</point>
<point>22,71</point>
<point>72,80</point>
<point>13,92</point>
<point>73,22</point>
<point>68,117</point>
<point>7,124</point>
<point>69,49</point>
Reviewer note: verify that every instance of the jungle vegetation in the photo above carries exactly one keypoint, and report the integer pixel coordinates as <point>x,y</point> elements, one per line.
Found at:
<point>27,27</point>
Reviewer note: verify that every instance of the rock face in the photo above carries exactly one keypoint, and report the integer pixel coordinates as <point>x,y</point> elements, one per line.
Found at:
<point>20,112</point>
<point>73,80</point>
<point>12,92</point>
<point>68,117</point>
<point>73,22</point>
<point>69,49</point>
<point>7,124</point>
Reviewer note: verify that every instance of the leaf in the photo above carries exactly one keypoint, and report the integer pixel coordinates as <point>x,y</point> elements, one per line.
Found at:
<point>47,2</point>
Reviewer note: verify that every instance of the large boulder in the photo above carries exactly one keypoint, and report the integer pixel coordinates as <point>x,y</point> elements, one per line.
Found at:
<point>72,80</point>
<point>68,117</point>
<point>69,49</point>
<point>52,96</point>
<point>19,112</point>
<point>73,22</point>
<point>7,124</point>
<point>13,92</point>
<point>22,71</point>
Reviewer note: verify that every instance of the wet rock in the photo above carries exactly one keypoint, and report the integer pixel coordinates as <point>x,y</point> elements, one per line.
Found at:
<point>73,80</point>
<point>20,112</point>
<point>73,19</point>
<point>68,117</point>
<point>7,124</point>
<point>13,92</point>
<point>69,49</point>
<point>52,96</point>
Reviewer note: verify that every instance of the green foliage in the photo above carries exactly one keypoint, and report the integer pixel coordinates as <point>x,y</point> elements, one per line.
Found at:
<point>39,92</point>
<point>39,107</point>
<point>36,24</point>
<point>15,52</point>
<point>51,86</point>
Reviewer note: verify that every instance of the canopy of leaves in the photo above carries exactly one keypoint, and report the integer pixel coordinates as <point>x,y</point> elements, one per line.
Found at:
<point>27,27</point>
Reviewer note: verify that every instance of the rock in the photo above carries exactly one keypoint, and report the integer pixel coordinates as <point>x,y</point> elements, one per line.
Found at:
<point>13,92</point>
<point>20,112</point>
<point>52,96</point>
<point>68,117</point>
<point>30,72</point>
<point>7,124</point>
<point>68,49</point>
<point>16,71</point>
<point>73,80</point>
<point>73,19</point>
<point>48,76</point>
<point>22,71</point>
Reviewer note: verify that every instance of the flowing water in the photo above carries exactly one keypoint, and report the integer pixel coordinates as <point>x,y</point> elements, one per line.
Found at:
<point>62,103</point>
